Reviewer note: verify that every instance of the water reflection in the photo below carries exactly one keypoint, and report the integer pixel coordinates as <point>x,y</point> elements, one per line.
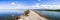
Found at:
<point>12,14</point>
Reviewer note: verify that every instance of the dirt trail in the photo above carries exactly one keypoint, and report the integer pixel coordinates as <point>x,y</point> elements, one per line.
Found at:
<point>32,16</point>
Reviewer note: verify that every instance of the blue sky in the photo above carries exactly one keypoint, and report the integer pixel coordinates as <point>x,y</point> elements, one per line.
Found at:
<point>29,4</point>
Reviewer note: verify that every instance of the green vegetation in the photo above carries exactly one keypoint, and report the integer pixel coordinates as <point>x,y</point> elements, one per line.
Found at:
<point>57,10</point>
<point>53,10</point>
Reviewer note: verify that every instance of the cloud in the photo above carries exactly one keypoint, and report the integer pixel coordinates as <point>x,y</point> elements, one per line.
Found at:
<point>12,3</point>
<point>39,0</point>
<point>36,6</point>
<point>50,6</point>
<point>19,6</point>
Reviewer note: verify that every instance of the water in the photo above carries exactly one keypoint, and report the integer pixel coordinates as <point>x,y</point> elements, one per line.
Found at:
<point>51,14</point>
<point>12,13</point>
<point>4,14</point>
<point>9,15</point>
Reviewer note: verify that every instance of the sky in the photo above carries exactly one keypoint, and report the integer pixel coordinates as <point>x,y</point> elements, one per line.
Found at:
<point>29,4</point>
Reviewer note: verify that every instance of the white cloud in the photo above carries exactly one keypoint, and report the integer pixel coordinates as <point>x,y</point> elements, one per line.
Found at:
<point>50,6</point>
<point>12,3</point>
<point>36,6</point>
<point>39,0</point>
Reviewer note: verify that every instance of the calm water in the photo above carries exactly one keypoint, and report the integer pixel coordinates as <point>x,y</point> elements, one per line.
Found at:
<point>50,14</point>
<point>4,14</point>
